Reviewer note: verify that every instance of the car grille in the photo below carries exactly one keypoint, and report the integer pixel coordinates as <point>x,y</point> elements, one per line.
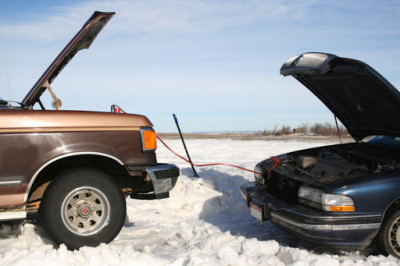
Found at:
<point>282,186</point>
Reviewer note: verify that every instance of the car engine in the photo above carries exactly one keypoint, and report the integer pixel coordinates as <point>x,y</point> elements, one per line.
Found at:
<point>325,166</point>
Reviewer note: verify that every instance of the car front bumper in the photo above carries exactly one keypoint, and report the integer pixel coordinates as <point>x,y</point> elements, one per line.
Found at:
<point>336,230</point>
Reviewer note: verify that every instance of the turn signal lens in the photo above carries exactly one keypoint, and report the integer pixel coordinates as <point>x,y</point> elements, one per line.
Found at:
<point>149,139</point>
<point>316,198</point>
<point>341,208</point>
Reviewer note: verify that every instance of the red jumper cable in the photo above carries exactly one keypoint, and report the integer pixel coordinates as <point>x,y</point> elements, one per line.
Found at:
<point>274,159</point>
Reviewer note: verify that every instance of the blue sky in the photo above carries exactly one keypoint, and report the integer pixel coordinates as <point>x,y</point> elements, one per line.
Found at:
<point>213,63</point>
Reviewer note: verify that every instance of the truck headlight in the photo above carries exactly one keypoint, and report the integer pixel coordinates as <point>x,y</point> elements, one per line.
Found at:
<point>328,202</point>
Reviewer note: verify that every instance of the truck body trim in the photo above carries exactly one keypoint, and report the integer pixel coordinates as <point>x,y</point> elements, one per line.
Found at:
<point>63,129</point>
<point>11,181</point>
<point>12,215</point>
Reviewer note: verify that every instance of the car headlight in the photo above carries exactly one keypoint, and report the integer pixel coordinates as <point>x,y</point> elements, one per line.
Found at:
<point>328,202</point>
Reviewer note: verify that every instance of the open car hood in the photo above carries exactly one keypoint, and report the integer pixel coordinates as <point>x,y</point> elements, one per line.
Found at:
<point>82,40</point>
<point>364,101</point>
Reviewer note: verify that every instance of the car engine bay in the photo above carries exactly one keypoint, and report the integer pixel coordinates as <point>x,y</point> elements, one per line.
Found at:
<point>326,166</point>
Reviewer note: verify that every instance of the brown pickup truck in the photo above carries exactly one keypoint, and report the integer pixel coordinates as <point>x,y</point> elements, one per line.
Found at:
<point>76,167</point>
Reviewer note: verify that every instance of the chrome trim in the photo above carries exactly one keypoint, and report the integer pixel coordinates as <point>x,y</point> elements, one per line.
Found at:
<point>243,193</point>
<point>246,189</point>
<point>28,189</point>
<point>69,129</point>
<point>163,184</point>
<point>11,181</point>
<point>326,227</point>
<point>12,215</point>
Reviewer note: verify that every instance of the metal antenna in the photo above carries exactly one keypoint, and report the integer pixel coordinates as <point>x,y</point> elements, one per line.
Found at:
<point>5,57</point>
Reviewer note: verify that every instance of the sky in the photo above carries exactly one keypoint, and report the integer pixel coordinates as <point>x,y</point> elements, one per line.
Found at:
<point>215,64</point>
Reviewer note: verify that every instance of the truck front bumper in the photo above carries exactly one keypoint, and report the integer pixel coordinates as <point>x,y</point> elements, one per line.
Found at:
<point>337,230</point>
<point>160,180</point>
<point>163,177</point>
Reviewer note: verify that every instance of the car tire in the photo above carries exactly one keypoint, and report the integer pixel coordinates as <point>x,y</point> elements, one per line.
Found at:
<point>83,207</point>
<point>388,239</point>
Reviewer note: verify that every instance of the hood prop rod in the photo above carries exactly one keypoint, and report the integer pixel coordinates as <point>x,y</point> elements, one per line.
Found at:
<point>56,102</point>
<point>338,130</point>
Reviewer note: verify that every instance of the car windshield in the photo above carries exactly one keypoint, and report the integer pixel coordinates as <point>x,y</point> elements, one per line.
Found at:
<point>388,142</point>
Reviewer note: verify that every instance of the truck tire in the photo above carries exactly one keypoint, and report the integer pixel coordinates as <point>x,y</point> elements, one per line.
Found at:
<point>83,207</point>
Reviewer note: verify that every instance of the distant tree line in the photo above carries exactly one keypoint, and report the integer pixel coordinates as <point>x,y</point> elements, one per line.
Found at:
<point>317,129</point>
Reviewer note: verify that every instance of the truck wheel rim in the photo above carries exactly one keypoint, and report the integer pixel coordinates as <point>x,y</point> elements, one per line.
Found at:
<point>85,211</point>
<point>394,236</point>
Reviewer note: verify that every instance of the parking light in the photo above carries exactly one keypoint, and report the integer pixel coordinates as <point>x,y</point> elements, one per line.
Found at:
<point>149,139</point>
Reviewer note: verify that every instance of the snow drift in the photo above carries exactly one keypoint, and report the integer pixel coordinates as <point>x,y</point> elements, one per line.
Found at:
<point>204,222</point>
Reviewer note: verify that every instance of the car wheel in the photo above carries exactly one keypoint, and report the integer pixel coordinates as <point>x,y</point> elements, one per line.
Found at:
<point>389,235</point>
<point>83,207</point>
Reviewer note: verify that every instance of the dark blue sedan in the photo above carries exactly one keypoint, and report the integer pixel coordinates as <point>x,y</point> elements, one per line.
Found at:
<point>344,196</point>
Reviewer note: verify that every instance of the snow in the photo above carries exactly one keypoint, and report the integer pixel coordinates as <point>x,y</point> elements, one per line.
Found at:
<point>204,222</point>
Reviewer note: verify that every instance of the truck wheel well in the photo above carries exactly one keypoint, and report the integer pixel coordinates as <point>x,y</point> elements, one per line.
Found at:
<point>50,172</point>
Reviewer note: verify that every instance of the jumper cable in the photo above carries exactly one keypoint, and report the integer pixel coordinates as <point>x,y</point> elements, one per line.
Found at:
<point>273,158</point>
<point>117,109</point>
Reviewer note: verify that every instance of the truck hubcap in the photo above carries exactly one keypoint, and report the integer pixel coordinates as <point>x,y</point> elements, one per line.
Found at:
<point>85,211</point>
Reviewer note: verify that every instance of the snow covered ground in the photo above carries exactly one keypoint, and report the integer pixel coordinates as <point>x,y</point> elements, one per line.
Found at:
<point>204,222</point>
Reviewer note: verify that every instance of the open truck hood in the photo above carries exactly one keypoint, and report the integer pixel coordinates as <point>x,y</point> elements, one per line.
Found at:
<point>82,40</point>
<point>364,101</point>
